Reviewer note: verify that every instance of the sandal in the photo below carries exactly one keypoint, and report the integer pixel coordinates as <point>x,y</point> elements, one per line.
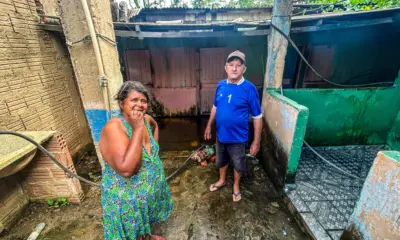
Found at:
<point>237,197</point>
<point>214,187</point>
<point>155,237</point>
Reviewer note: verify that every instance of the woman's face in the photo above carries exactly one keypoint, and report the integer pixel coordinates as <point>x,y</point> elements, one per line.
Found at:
<point>134,101</point>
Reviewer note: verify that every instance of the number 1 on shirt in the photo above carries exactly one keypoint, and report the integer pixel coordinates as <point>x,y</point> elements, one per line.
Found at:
<point>230,96</point>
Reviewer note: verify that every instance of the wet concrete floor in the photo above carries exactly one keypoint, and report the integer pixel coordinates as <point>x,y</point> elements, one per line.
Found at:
<point>198,214</point>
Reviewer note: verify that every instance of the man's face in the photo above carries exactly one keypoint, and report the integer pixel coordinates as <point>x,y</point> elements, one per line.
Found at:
<point>235,69</point>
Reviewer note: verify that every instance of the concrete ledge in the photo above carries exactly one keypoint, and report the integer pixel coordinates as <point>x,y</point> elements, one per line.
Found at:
<point>285,124</point>
<point>16,147</point>
<point>376,215</point>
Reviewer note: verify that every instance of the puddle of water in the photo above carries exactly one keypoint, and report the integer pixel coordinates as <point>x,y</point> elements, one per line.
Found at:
<point>186,133</point>
<point>178,134</point>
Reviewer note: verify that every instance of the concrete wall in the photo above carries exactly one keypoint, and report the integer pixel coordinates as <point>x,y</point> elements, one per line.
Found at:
<point>83,59</point>
<point>13,201</point>
<point>40,180</point>
<point>348,116</point>
<point>37,87</point>
<point>48,7</point>
<point>376,215</point>
<point>284,126</point>
<point>394,135</point>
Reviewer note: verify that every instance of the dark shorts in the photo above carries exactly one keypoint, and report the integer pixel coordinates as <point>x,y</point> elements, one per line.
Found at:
<point>231,152</point>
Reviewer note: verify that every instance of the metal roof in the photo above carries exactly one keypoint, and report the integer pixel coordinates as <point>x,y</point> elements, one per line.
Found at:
<point>307,23</point>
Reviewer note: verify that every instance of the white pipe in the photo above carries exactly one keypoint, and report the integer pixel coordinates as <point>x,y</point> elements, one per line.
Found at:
<point>35,234</point>
<point>99,60</point>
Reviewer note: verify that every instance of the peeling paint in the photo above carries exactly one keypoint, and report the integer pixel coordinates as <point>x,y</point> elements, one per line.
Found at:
<point>285,125</point>
<point>97,119</point>
<point>376,213</point>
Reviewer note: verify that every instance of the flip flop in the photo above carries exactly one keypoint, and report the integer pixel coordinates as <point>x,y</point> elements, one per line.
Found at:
<point>155,237</point>
<point>237,197</point>
<point>214,187</point>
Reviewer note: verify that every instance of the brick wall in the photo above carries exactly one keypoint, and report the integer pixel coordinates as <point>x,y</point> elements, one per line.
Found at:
<point>37,86</point>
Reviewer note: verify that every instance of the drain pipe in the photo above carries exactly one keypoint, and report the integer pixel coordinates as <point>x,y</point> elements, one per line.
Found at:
<point>103,82</point>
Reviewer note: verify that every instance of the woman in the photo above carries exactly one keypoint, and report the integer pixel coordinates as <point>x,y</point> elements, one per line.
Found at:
<point>135,193</point>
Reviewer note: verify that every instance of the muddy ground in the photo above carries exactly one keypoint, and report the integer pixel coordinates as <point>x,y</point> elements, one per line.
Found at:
<point>198,214</point>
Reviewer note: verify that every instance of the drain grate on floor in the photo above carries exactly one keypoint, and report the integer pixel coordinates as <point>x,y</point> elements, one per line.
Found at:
<point>324,197</point>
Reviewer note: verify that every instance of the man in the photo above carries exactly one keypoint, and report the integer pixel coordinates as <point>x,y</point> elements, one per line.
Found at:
<point>235,99</point>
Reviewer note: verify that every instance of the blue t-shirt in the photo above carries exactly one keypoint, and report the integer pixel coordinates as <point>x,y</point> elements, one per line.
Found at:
<point>234,103</point>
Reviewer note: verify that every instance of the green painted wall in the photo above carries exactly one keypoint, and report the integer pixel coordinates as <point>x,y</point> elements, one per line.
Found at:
<point>394,135</point>
<point>299,129</point>
<point>393,139</point>
<point>279,155</point>
<point>343,117</point>
<point>395,155</point>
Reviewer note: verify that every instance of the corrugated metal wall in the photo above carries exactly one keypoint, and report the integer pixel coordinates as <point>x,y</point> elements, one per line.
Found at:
<point>181,80</point>
<point>212,61</point>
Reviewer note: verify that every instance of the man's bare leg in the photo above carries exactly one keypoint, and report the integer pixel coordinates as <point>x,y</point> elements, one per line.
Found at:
<point>236,186</point>
<point>222,179</point>
<point>222,175</point>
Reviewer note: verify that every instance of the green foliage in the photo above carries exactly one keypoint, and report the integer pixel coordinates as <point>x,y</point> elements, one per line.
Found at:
<point>207,4</point>
<point>59,202</point>
<point>348,5</point>
<point>94,176</point>
<point>355,5</point>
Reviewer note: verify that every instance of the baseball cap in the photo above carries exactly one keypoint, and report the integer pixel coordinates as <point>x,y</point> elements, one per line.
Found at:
<point>237,54</point>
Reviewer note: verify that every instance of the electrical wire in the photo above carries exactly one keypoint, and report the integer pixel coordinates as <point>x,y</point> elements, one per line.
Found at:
<point>184,163</point>
<point>315,71</point>
<point>331,164</point>
<point>312,149</point>
<point>324,159</point>
<point>71,174</point>
<point>87,39</point>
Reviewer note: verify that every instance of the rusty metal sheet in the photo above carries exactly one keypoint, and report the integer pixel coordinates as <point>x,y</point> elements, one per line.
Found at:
<point>175,101</point>
<point>321,58</point>
<point>212,63</point>
<point>182,67</point>
<point>207,98</point>
<point>212,70</point>
<point>137,64</point>
<point>159,65</point>
<point>174,67</point>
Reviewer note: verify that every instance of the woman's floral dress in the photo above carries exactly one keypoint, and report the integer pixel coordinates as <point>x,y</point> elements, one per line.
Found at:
<point>131,205</point>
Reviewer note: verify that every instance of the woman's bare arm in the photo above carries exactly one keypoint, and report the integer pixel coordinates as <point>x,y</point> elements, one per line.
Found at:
<point>123,154</point>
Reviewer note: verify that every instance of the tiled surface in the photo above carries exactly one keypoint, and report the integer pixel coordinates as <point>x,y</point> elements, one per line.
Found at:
<point>335,235</point>
<point>325,197</point>
<point>314,226</point>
